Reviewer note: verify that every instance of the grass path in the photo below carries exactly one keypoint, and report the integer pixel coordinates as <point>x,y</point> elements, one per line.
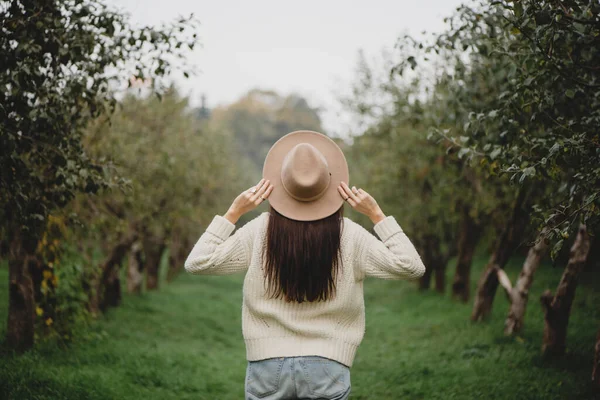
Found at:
<point>185,342</point>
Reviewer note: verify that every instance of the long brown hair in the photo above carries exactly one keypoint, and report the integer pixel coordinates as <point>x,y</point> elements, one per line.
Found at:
<point>302,258</point>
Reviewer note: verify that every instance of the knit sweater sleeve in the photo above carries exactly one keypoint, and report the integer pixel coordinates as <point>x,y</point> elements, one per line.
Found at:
<point>392,257</point>
<point>218,253</point>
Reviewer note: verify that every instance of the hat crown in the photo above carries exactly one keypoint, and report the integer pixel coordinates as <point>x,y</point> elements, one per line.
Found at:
<point>305,173</point>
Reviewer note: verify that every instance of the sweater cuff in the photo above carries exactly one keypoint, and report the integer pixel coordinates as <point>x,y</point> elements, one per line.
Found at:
<point>387,227</point>
<point>220,227</point>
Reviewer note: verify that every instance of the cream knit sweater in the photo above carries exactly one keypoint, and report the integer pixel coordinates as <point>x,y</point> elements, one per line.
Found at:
<point>332,329</point>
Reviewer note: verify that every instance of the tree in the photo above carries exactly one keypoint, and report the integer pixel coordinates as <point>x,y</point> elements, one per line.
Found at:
<point>530,66</point>
<point>548,116</point>
<point>61,61</point>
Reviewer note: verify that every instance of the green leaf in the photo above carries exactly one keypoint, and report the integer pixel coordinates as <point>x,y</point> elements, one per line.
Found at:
<point>463,151</point>
<point>495,153</point>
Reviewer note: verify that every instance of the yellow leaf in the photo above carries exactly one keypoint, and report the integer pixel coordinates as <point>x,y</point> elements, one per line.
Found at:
<point>39,311</point>
<point>47,274</point>
<point>49,321</point>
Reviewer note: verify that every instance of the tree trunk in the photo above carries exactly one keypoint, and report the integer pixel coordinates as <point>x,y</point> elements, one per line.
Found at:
<point>154,247</point>
<point>20,326</point>
<point>425,252</point>
<point>425,280</point>
<point>36,272</point>
<point>440,272</point>
<point>440,277</point>
<point>505,247</point>
<point>596,369</point>
<point>107,286</point>
<point>593,260</point>
<point>519,295</point>
<point>435,263</point>
<point>178,252</point>
<point>135,268</point>
<point>467,242</point>
<point>112,284</point>
<point>441,264</point>
<point>557,308</point>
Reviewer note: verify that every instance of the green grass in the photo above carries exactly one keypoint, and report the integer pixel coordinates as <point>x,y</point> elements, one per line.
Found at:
<point>185,342</point>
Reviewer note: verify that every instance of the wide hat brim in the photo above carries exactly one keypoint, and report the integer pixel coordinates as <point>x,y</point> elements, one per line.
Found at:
<point>331,200</point>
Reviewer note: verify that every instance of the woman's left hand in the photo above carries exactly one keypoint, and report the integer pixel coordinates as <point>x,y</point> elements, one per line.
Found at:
<point>248,201</point>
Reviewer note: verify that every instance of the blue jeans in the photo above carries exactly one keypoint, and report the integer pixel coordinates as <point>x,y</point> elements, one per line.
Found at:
<point>306,377</point>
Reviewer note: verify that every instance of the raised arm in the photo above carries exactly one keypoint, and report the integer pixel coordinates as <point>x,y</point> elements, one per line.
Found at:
<point>392,257</point>
<point>218,253</point>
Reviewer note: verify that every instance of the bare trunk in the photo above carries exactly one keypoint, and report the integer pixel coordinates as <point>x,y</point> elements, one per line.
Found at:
<point>440,272</point>
<point>425,280</point>
<point>154,247</point>
<point>505,247</point>
<point>596,369</point>
<point>20,325</point>
<point>435,263</point>
<point>112,286</point>
<point>467,242</point>
<point>107,286</point>
<point>135,268</point>
<point>593,260</point>
<point>440,277</point>
<point>557,308</point>
<point>178,252</point>
<point>519,295</point>
<point>425,252</point>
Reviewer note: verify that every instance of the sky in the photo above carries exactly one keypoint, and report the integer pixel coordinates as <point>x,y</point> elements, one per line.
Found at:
<point>305,47</point>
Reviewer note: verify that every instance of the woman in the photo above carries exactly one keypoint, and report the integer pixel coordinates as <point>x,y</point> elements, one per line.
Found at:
<point>303,314</point>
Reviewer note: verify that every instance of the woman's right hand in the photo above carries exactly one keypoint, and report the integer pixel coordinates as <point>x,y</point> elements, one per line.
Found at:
<point>362,202</point>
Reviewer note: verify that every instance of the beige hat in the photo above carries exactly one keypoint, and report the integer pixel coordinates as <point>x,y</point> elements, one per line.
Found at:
<point>305,168</point>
